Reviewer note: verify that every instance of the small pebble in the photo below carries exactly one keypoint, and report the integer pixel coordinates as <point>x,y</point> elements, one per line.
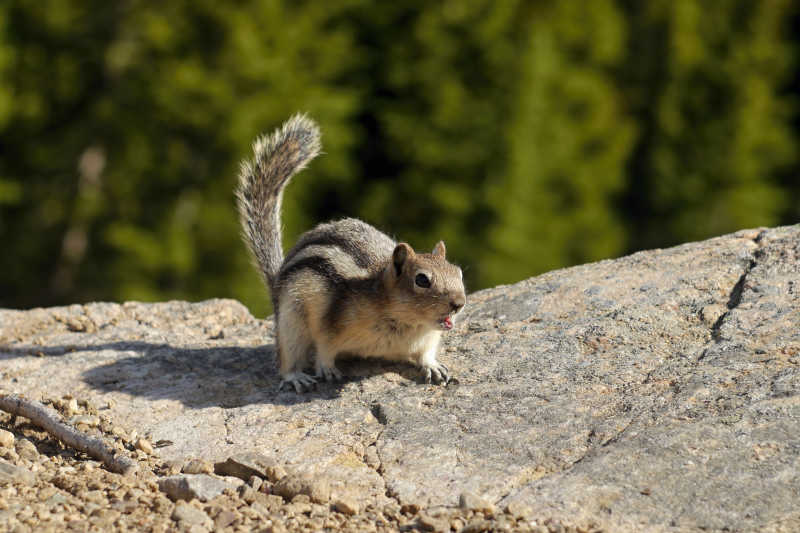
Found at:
<point>225,518</point>
<point>6,439</point>
<point>471,501</point>
<point>87,420</point>
<point>301,498</point>
<point>72,406</point>
<point>517,508</point>
<point>198,466</point>
<point>145,446</point>
<point>27,449</point>
<point>346,506</point>
<point>247,493</point>
<point>276,473</point>
<point>11,455</point>
<point>316,487</point>
<point>10,473</point>
<point>184,512</point>
<point>410,508</point>
<point>173,466</point>
<point>430,523</point>
<point>477,526</point>
<point>299,508</point>
<point>255,482</point>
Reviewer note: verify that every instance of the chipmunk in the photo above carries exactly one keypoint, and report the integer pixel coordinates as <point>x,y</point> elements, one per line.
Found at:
<point>345,287</point>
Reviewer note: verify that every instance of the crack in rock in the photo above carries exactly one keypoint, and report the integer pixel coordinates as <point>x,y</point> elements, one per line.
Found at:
<point>380,470</point>
<point>734,300</point>
<point>380,415</point>
<point>227,416</point>
<point>735,296</point>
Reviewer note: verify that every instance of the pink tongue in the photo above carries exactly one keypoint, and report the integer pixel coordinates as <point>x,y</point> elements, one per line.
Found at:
<point>448,322</point>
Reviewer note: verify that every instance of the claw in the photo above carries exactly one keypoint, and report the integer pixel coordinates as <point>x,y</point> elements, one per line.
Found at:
<point>301,381</point>
<point>329,373</point>
<point>436,373</point>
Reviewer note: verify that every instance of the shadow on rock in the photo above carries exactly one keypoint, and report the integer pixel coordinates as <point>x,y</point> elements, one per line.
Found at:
<point>224,376</point>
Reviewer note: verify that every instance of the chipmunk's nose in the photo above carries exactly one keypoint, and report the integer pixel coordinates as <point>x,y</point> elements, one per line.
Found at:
<point>457,303</point>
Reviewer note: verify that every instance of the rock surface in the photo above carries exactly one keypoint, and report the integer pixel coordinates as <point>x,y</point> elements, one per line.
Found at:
<point>656,392</point>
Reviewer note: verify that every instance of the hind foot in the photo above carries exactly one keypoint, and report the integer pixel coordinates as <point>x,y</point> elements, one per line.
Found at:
<point>301,381</point>
<point>329,373</point>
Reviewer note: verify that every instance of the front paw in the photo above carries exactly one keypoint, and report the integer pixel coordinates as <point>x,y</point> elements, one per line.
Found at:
<point>436,373</point>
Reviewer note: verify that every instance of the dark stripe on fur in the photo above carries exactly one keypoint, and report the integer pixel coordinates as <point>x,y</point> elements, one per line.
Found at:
<point>342,295</point>
<point>320,265</point>
<point>359,256</point>
<point>337,284</point>
<point>339,299</point>
<point>342,289</point>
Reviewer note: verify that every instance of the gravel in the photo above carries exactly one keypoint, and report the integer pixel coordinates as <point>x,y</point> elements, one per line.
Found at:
<point>50,488</point>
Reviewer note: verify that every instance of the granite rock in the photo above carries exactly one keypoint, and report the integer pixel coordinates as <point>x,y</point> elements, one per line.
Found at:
<point>655,392</point>
<point>10,474</point>
<point>192,486</point>
<point>247,464</point>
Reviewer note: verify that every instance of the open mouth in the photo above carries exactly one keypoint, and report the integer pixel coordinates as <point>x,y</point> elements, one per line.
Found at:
<point>446,323</point>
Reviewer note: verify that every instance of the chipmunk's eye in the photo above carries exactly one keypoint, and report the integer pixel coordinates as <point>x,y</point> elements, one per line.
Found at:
<point>422,281</point>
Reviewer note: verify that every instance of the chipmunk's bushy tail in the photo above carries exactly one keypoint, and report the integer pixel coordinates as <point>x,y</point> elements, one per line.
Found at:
<point>276,158</point>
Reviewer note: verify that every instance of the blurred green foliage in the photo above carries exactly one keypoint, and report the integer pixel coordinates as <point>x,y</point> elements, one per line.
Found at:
<point>529,134</point>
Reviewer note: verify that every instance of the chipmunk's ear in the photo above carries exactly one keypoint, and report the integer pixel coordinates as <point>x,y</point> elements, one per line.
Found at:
<point>439,250</point>
<point>401,254</point>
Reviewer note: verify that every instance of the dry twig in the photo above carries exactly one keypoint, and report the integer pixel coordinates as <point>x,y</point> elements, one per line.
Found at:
<point>49,420</point>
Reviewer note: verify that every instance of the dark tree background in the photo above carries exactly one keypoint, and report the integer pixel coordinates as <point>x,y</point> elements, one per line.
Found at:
<point>529,134</point>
